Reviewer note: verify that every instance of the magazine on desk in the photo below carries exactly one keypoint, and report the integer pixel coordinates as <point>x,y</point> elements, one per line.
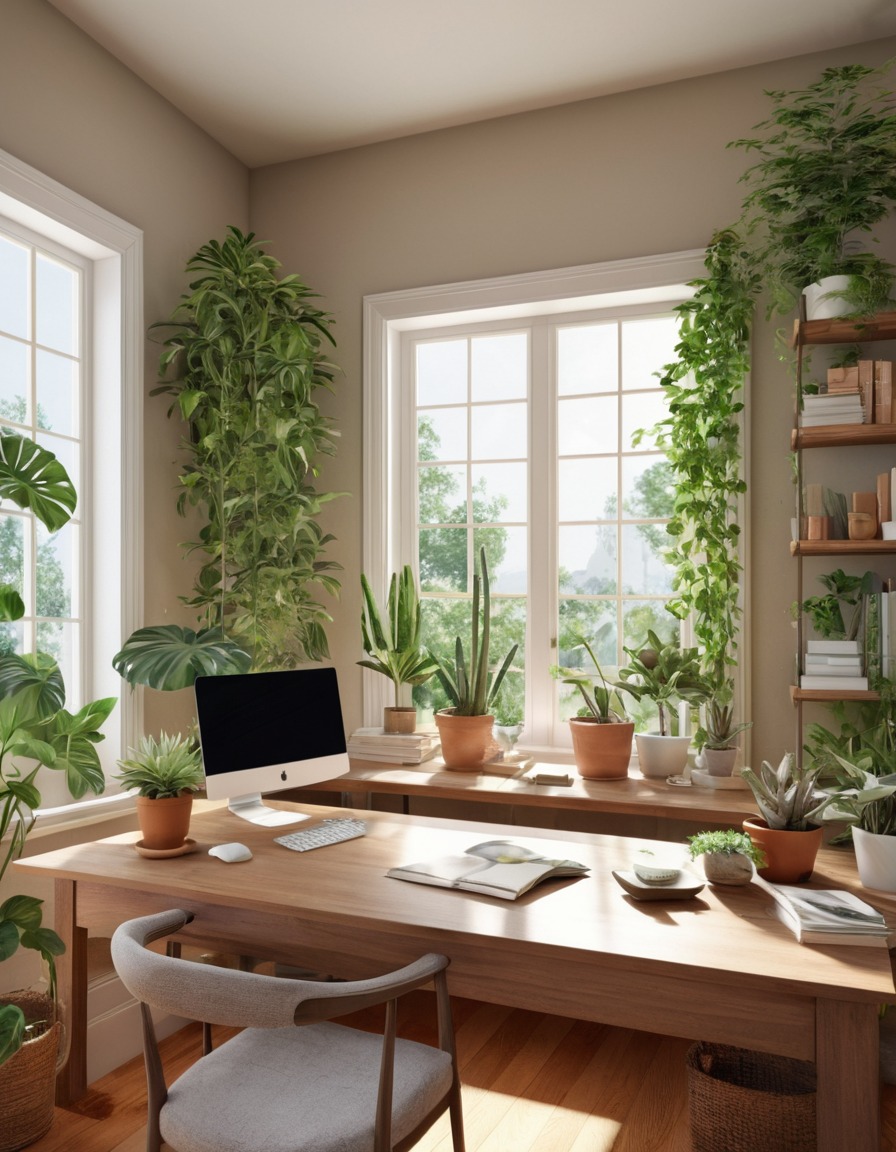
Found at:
<point>829,916</point>
<point>493,868</point>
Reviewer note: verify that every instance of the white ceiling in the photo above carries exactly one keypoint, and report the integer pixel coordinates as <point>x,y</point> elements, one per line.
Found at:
<point>276,80</point>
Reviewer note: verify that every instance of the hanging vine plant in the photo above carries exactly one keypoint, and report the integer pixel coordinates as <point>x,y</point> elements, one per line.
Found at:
<point>243,360</point>
<point>701,439</point>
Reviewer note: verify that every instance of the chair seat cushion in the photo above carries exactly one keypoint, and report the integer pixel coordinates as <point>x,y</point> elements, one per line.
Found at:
<point>309,1089</point>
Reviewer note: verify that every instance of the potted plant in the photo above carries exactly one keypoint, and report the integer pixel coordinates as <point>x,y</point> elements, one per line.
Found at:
<point>395,650</point>
<point>824,178</point>
<point>837,615</point>
<point>466,728</point>
<point>166,772</point>
<point>718,738</point>
<point>728,856</point>
<point>601,732</point>
<point>666,675</point>
<point>792,799</point>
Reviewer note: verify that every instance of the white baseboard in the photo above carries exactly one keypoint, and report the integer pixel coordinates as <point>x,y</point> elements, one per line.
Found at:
<point>114,1030</point>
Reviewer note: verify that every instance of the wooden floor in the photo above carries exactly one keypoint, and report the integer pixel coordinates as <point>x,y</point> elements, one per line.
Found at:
<point>532,1083</point>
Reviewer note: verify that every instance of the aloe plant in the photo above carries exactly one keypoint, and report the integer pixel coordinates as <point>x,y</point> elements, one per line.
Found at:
<point>163,768</point>
<point>469,685</point>
<point>395,649</point>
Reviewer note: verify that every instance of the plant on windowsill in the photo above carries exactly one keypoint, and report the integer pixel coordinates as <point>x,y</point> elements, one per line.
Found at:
<point>602,731</point>
<point>728,856</point>
<point>394,649</point>
<point>665,674</point>
<point>245,353</point>
<point>165,772</point>
<point>36,731</point>
<point>466,728</point>
<point>717,740</point>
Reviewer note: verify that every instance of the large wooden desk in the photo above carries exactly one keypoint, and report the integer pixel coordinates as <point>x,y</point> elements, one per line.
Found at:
<point>717,967</point>
<point>636,796</point>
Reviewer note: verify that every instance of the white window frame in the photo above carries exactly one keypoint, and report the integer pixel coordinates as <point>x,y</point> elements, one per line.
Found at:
<point>559,292</point>
<point>113,469</point>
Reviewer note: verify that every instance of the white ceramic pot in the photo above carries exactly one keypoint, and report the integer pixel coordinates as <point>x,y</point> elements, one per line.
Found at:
<point>876,859</point>
<point>662,756</point>
<point>717,761</point>
<point>820,305</point>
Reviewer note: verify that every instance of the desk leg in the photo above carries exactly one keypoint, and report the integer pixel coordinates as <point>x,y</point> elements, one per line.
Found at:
<point>71,972</point>
<point>847,1054</point>
<point>356,800</point>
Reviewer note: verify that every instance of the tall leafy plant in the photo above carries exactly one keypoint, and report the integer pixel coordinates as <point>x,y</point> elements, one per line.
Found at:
<point>701,439</point>
<point>36,730</point>
<point>244,362</point>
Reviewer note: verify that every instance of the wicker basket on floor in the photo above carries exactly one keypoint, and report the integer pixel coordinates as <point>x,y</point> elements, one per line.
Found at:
<point>743,1101</point>
<point>28,1079</point>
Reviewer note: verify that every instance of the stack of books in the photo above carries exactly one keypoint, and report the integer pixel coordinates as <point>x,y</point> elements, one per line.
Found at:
<point>835,665</point>
<point>873,381</point>
<point>393,747</point>
<point>828,916</point>
<point>832,408</point>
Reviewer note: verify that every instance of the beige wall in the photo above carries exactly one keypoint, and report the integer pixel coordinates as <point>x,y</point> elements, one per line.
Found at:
<point>76,114</point>
<point>633,175</point>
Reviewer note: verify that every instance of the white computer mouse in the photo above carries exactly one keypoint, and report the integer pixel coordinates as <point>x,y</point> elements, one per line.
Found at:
<point>231,853</point>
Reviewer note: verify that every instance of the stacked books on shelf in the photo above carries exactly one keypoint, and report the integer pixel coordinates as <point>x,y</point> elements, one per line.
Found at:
<point>832,408</point>
<point>834,665</point>
<point>828,916</point>
<point>393,747</point>
<point>871,381</point>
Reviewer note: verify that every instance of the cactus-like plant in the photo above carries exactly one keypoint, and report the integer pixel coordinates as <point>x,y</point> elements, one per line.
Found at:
<point>467,684</point>
<point>790,796</point>
<point>163,768</point>
<point>395,650</point>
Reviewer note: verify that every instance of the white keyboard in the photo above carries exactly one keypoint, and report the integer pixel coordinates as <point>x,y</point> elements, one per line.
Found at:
<point>331,831</point>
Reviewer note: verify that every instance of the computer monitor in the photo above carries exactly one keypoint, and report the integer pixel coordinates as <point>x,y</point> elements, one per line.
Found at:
<point>265,731</point>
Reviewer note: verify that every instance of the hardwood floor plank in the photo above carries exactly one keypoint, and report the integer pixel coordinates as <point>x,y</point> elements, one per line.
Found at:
<point>532,1083</point>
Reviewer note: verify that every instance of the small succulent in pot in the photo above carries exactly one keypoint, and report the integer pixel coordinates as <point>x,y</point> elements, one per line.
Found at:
<point>728,856</point>
<point>166,772</point>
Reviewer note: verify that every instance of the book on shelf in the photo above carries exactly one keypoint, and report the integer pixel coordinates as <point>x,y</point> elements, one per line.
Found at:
<point>834,647</point>
<point>833,401</point>
<point>837,683</point>
<point>833,665</point>
<point>865,373</point>
<point>828,916</point>
<point>883,392</point>
<point>493,868</point>
<point>393,747</point>
<point>884,503</point>
<point>829,421</point>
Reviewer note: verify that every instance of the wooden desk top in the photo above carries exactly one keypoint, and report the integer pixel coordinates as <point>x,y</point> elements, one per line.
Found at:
<point>722,936</point>
<point>635,796</point>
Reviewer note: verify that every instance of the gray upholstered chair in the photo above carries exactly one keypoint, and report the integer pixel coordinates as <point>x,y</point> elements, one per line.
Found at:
<point>276,1087</point>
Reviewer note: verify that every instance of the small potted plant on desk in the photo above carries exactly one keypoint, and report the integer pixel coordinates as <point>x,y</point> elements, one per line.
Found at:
<point>728,856</point>
<point>601,732</point>
<point>466,728</point>
<point>792,800</point>
<point>395,650</point>
<point>166,772</point>
<point>663,673</point>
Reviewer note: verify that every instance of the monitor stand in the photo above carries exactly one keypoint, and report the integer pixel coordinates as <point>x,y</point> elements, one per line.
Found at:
<point>251,808</point>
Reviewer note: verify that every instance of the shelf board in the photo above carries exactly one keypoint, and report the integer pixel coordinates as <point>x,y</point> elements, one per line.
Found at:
<point>879,327</point>
<point>843,436</point>
<point>829,697</point>
<point>842,547</point>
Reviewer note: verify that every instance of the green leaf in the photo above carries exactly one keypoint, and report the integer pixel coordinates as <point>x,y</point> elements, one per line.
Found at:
<point>12,606</point>
<point>168,657</point>
<point>9,939</point>
<point>12,1031</point>
<point>36,679</point>
<point>24,912</point>
<point>34,479</point>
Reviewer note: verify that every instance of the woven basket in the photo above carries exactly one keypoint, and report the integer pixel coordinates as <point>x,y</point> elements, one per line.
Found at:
<point>28,1079</point>
<point>743,1101</point>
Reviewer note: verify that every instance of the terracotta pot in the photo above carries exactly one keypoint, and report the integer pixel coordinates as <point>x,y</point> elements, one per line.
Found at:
<point>166,822</point>
<point>400,720</point>
<point>467,741</point>
<point>876,860</point>
<point>602,751</point>
<point>790,855</point>
<point>662,756</point>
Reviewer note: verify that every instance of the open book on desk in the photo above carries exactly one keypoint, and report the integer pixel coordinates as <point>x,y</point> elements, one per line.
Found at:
<point>494,868</point>
<point>829,916</point>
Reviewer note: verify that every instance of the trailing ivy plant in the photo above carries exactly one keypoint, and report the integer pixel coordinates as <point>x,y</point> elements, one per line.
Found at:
<point>701,439</point>
<point>244,361</point>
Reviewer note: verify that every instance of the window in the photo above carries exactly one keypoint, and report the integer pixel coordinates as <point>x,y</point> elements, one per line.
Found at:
<point>509,424</point>
<point>70,378</point>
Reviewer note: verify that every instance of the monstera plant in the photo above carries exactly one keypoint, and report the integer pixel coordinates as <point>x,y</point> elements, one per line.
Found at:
<point>36,731</point>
